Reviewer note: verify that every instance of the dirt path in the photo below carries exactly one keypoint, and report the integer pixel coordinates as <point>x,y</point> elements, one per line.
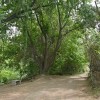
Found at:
<point>49,88</point>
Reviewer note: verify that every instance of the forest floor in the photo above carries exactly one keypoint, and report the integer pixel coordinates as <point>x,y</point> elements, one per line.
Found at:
<point>50,88</point>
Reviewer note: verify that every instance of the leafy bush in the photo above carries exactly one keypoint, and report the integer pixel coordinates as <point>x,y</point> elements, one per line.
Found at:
<point>7,74</point>
<point>31,69</point>
<point>70,58</point>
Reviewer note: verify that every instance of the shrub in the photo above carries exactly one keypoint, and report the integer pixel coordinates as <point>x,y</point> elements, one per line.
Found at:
<point>31,69</point>
<point>70,58</point>
<point>7,74</point>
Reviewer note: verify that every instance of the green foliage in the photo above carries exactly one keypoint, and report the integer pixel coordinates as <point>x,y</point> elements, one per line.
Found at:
<point>6,75</point>
<point>88,15</point>
<point>70,58</point>
<point>31,69</point>
<point>92,45</point>
<point>42,27</point>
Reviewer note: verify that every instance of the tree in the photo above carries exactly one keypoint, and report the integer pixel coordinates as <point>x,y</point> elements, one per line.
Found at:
<point>92,45</point>
<point>43,25</point>
<point>93,50</point>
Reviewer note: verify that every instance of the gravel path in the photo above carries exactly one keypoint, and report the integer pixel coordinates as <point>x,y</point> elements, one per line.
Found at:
<point>49,88</point>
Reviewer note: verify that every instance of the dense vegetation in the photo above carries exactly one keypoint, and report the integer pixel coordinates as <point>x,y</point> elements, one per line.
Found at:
<point>47,37</point>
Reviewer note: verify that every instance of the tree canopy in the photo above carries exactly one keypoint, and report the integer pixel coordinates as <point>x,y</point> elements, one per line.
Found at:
<point>42,34</point>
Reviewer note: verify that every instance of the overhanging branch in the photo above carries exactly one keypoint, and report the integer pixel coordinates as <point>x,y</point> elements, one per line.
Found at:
<point>18,14</point>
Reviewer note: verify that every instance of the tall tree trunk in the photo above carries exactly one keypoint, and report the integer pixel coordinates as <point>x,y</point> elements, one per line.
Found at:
<point>94,66</point>
<point>45,62</point>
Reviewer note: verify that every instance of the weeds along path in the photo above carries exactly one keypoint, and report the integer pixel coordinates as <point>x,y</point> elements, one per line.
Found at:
<point>49,88</point>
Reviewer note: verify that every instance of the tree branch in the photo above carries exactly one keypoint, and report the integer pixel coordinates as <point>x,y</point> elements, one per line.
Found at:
<point>37,58</point>
<point>97,8</point>
<point>60,28</point>
<point>52,57</point>
<point>71,30</point>
<point>18,14</point>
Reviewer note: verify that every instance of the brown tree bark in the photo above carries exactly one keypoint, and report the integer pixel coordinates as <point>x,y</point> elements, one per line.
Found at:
<point>94,66</point>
